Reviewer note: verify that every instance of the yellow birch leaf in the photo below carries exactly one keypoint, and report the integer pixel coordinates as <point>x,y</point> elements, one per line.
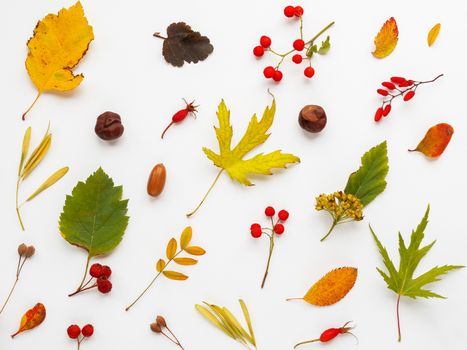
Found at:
<point>57,45</point>
<point>160,265</point>
<point>174,275</point>
<point>386,40</point>
<point>185,238</point>
<point>31,319</point>
<point>433,34</point>
<point>186,261</point>
<point>194,250</point>
<point>171,248</point>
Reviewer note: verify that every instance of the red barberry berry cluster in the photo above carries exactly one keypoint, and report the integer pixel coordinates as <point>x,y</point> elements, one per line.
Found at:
<point>277,228</point>
<point>75,332</point>
<point>397,87</point>
<point>99,279</point>
<point>298,46</point>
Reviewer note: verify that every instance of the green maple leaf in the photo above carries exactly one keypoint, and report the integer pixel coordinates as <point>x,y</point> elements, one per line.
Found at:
<point>402,281</point>
<point>94,216</point>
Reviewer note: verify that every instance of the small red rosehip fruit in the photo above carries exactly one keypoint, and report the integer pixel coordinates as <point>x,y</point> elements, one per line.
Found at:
<point>279,229</point>
<point>73,331</point>
<point>265,41</point>
<point>258,51</point>
<point>298,11</point>
<point>289,11</point>
<point>299,44</point>
<point>269,211</point>
<point>88,330</point>
<point>268,72</point>
<point>104,285</point>
<point>283,215</point>
<point>309,72</point>
<point>95,270</point>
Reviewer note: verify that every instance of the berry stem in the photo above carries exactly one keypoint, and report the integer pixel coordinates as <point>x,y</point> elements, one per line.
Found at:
<point>165,130</point>
<point>334,224</point>
<point>398,318</point>
<point>177,342</point>
<point>305,342</point>
<point>206,195</point>
<point>18,272</point>
<point>39,93</point>
<point>320,33</point>
<point>271,249</point>
<point>79,289</point>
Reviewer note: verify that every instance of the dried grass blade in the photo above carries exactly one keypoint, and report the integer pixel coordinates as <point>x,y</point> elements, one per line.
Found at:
<point>246,314</point>
<point>24,148</point>
<point>52,179</point>
<point>208,315</point>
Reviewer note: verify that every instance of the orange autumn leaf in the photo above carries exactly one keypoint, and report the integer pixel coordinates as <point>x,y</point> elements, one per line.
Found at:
<point>332,287</point>
<point>386,40</point>
<point>31,319</point>
<point>435,141</point>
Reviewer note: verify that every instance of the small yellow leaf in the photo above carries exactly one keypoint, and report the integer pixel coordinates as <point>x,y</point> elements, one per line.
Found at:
<point>332,287</point>
<point>31,319</point>
<point>208,314</point>
<point>386,40</point>
<point>173,275</point>
<point>24,149</point>
<point>185,238</point>
<point>171,248</point>
<point>160,265</point>
<point>186,261</point>
<point>433,34</point>
<point>37,155</point>
<point>194,250</point>
<point>49,182</point>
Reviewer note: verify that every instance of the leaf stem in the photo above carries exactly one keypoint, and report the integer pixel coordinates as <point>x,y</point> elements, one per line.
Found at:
<point>398,319</point>
<point>39,93</point>
<point>334,224</point>
<point>158,35</point>
<point>17,203</point>
<point>271,249</point>
<point>207,193</point>
<point>84,278</point>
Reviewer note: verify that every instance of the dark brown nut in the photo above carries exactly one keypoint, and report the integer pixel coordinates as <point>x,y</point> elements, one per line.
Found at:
<point>22,249</point>
<point>156,181</point>
<point>109,126</point>
<point>312,118</point>
<point>155,327</point>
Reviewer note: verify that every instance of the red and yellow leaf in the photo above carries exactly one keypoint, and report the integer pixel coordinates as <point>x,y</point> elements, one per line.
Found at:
<point>31,319</point>
<point>435,141</point>
<point>386,40</point>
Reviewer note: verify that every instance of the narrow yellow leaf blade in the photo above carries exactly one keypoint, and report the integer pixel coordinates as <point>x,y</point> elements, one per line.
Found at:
<point>195,250</point>
<point>160,265</point>
<point>211,318</point>
<point>171,249</point>
<point>186,261</point>
<point>52,179</point>
<point>386,40</point>
<point>174,275</point>
<point>24,149</point>
<point>246,314</point>
<point>433,34</point>
<point>185,238</point>
<point>37,156</point>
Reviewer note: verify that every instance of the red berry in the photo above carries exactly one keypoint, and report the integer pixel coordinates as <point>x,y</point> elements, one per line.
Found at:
<point>298,44</point>
<point>73,331</point>
<point>289,11</point>
<point>88,330</point>
<point>406,83</point>
<point>258,51</point>
<point>269,211</point>
<point>388,85</point>
<point>298,11</point>
<point>104,285</point>
<point>265,41</point>
<point>279,229</point>
<point>95,270</point>
<point>329,334</point>
<point>106,271</point>
<point>283,215</point>
<point>309,72</point>
<point>398,80</point>
<point>268,72</point>
<point>277,76</point>
<point>386,110</point>
<point>256,230</point>
<point>378,114</point>
<point>408,96</point>
<point>382,92</point>
<point>297,59</point>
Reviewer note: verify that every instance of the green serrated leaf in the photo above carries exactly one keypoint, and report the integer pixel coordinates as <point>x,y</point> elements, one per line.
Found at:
<point>325,46</point>
<point>311,50</point>
<point>370,179</point>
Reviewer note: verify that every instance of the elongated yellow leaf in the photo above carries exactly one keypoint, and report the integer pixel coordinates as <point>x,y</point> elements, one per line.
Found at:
<point>234,322</point>
<point>186,261</point>
<point>173,275</point>
<point>24,148</point>
<point>49,182</point>
<point>171,248</point>
<point>246,314</point>
<point>433,34</point>
<point>160,265</point>
<point>37,156</point>
<point>211,318</point>
<point>185,238</point>
<point>221,316</point>
<point>195,250</point>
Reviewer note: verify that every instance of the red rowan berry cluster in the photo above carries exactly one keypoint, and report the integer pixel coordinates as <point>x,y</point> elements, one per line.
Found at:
<point>78,334</point>
<point>99,278</point>
<point>397,87</point>
<point>277,228</point>
<point>299,45</point>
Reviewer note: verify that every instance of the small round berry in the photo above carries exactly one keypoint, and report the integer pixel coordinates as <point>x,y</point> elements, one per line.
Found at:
<point>258,51</point>
<point>283,215</point>
<point>279,229</point>
<point>309,72</point>
<point>88,330</point>
<point>289,11</point>
<point>269,211</point>
<point>265,41</point>
<point>106,271</point>
<point>269,72</point>
<point>299,44</point>
<point>104,285</point>
<point>277,76</point>
<point>73,331</point>
<point>95,270</point>
<point>298,11</point>
<point>256,230</point>
<point>297,59</point>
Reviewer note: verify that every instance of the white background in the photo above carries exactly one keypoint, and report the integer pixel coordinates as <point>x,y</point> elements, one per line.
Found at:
<point>125,72</point>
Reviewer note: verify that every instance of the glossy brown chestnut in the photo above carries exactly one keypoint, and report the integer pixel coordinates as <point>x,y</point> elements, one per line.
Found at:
<point>109,126</point>
<point>312,118</point>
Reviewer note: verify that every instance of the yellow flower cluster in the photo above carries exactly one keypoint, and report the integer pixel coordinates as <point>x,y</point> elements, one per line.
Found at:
<point>341,206</point>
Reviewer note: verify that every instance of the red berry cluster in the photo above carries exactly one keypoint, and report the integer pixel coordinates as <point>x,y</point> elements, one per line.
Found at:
<point>277,228</point>
<point>397,87</point>
<point>99,279</point>
<point>298,45</point>
<point>75,332</point>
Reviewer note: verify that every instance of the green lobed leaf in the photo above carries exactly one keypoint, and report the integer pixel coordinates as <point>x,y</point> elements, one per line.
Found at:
<point>370,179</point>
<point>325,46</point>
<point>94,215</point>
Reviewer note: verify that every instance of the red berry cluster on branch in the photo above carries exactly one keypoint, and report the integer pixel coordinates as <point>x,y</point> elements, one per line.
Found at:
<point>99,279</point>
<point>75,332</point>
<point>397,87</point>
<point>309,47</point>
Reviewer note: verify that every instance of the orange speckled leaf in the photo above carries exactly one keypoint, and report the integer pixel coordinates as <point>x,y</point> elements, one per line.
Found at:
<point>386,40</point>
<point>332,287</point>
<point>31,319</point>
<point>435,141</point>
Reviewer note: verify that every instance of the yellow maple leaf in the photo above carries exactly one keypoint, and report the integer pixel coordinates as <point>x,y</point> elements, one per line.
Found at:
<point>57,45</point>
<point>231,160</point>
<point>386,40</point>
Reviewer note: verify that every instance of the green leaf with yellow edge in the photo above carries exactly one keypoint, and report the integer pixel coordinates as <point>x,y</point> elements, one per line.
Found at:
<point>231,160</point>
<point>402,281</point>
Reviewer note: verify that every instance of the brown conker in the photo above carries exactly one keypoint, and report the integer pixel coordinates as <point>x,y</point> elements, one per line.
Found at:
<point>312,118</point>
<point>109,126</point>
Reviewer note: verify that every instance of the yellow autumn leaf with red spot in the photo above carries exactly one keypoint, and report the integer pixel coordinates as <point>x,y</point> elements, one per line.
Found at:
<point>435,141</point>
<point>31,319</point>
<point>386,40</point>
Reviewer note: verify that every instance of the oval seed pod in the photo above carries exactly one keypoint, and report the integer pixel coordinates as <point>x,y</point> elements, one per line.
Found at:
<point>156,181</point>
